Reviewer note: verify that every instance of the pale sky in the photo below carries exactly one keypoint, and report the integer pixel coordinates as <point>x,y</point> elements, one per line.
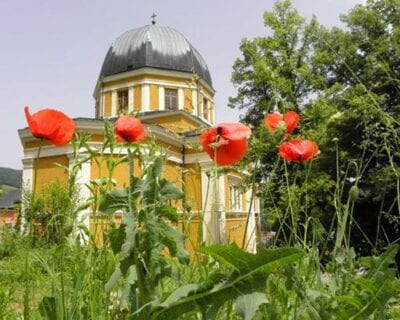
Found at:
<point>51,51</point>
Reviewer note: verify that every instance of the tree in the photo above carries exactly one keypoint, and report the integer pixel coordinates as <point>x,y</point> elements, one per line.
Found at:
<point>276,71</point>
<point>346,84</point>
<point>361,68</point>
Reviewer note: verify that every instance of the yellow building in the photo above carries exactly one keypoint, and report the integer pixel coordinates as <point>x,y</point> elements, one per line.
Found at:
<point>156,73</point>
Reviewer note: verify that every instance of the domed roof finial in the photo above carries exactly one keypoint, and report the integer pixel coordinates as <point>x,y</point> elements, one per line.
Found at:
<point>153,17</point>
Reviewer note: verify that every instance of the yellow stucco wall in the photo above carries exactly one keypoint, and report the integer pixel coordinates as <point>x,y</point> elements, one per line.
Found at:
<point>190,229</point>
<point>173,172</point>
<point>107,104</point>
<point>227,202</point>
<point>37,143</point>
<point>120,173</point>
<point>192,179</point>
<point>137,98</point>
<point>235,227</point>
<point>154,105</point>
<point>176,123</point>
<point>48,171</point>
<point>188,101</point>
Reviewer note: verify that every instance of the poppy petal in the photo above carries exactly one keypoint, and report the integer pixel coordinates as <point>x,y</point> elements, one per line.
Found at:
<point>232,142</point>
<point>231,153</point>
<point>272,120</point>
<point>52,125</point>
<point>234,131</point>
<point>291,119</point>
<point>298,150</point>
<point>129,129</point>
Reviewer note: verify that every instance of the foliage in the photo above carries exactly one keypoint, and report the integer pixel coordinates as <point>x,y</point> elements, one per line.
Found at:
<point>145,232</point>
<point>82,295</point>
<point>247,276</point>
<point>363,82</point>
<point>348,94</point>
<point>50,214</point>
<point>11,242</point>
<point>276,71</point>
<point>319,209</point>
<point>303,291</point>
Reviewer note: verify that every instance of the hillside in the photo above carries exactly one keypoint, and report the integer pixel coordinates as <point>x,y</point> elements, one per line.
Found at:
<point>10,177</point>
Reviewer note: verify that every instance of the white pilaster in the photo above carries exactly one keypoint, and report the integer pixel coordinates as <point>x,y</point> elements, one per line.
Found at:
<point>213,194</point>
<point>251,243</point>
<point>114,98</point>
<point>201,104</point>
<point>180,99</point>
<point>211,114</point>
<point>161,97</point>
<point>27,185</point>
<point>102,105</point>
<point>130,99</point>
<point>27,173</point>
<point>194,101</point>
<point>222,217</point>
<point>145,97</point>
<point>206,204</point>
<point>82,183</point>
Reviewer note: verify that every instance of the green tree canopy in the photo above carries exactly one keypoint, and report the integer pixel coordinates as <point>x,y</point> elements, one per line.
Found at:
<point>345,82</point>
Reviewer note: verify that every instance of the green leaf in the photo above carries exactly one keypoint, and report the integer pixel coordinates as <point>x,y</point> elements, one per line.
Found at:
<point>379,264</point>
<point>244,262</point>
<point>157,167</point>
<point>168,212</point>
<point>114,200</point>
<point>170,191</point>
<point>174,240</point>
<point>249,274</point>
<point>113,279</point>
<point>48,308</point>
<point>179,293</point>
<point>248,304</point>
<point>116,237</point>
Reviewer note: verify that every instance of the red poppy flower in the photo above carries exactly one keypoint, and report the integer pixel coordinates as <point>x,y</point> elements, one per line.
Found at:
<point>290,119</point>
<point>230,141</point>
<point>297,150</point>
<point>52,125</point>
<point>129,129</point>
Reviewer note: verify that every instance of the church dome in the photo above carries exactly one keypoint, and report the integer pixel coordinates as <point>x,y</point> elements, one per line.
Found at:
<point>157,47</point>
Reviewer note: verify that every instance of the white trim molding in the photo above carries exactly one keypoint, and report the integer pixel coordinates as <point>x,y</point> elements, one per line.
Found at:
<point>131,98</point>
<point>145,97</point>
<point>83,177</point>
<point>194,101</point>
<point>161,97</point>
<point>27,173</point>
<point>114,102</point>
<point>181,99</point>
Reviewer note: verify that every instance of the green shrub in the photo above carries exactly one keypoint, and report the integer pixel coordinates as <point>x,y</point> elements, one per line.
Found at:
<point>11,242</point>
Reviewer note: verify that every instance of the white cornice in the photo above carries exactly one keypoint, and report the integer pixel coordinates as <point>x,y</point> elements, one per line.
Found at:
<point>183,113</point>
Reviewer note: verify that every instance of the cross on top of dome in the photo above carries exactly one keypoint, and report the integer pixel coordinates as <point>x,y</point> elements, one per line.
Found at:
<point>153,18</point>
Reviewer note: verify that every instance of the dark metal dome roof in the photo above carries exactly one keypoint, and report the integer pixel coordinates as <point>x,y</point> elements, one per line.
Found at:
<point>157,47</point>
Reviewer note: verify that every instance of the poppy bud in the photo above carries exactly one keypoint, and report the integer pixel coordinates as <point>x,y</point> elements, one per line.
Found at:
<point>129,129</point>
<point>353,193</point>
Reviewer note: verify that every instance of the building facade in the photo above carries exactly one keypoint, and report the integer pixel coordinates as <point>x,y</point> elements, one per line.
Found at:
<point>155,73</point>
